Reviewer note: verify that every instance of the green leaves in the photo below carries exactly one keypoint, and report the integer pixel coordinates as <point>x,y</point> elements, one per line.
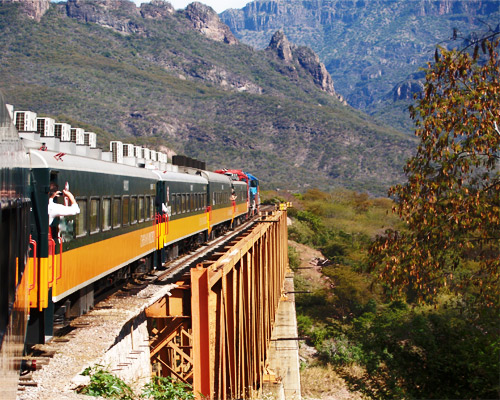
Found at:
<point>104,384</point>
<point>165,388</point>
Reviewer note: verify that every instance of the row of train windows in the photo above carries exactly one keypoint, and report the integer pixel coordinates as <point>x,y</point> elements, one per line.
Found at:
<point>183,203</point>
<point>103,214</point>
<point>224,198</point>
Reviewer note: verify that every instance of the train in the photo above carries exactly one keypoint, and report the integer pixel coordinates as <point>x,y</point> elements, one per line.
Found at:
<point>135,212</point>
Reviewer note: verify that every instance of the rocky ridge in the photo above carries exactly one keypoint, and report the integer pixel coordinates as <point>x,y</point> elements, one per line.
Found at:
<point>34,9</point>
<point>124,17</point>
<point>302,57</point>
<point>206,21</point>
<point>370,48</point>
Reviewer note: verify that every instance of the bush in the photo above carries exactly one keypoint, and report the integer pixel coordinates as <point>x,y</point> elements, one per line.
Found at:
<point>425,353</point>
<point>161,388</point>
<point>293,258</point>
<point>104,384</point>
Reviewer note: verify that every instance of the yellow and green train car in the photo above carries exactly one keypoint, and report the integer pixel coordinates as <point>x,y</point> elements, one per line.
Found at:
<point>131,220</point>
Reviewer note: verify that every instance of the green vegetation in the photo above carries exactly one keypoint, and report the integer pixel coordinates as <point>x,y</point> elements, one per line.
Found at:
<point>168,85</point>
<point>161,388</point>
<point>104,384</point>
<point>387,349</point>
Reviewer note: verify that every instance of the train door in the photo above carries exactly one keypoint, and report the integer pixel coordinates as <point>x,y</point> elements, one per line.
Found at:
<point>41,313</point>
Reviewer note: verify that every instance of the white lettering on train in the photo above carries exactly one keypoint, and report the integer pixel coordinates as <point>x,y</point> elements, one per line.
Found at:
<point>147,238</point>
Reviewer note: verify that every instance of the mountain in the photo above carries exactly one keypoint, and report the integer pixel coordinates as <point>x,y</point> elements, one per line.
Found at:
<point>180,79</point>
<point>371,48</point>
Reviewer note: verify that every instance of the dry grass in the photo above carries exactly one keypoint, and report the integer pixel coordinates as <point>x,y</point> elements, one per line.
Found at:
<point>322,382</point>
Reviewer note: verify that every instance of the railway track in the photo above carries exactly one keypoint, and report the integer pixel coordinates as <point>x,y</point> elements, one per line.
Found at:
<point>176,268</point>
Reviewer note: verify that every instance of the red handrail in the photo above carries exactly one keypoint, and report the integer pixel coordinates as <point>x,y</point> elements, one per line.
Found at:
<point>32,285</point>
<point>60,257</point>
<point>52,252</point>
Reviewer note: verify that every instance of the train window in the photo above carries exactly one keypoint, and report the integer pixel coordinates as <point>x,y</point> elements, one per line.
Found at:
<point>94,215</point>
<point>81,218</point>
<point>151,207</point>
<point>133,210</point>
<point>173,204</point>
<point>125,210</point>
<point>183,203</point>
<point>141,209</point>
<point>116,214</point>
<point>178,203</point>
<point>148,208</point>
<point>106,214</point>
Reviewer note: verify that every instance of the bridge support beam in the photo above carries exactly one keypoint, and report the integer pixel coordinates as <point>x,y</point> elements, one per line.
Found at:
<point>234,300</point>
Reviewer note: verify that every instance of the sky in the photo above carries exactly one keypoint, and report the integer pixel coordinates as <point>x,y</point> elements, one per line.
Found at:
<point>217,5</point>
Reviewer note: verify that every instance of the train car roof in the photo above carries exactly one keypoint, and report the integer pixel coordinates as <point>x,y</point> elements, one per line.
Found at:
<point>251,177</point>
<point>214,177</point>
<point>169,176</point>
<point>50,159</point>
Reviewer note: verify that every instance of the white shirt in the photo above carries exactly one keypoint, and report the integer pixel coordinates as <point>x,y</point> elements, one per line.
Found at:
<point>60,210</point>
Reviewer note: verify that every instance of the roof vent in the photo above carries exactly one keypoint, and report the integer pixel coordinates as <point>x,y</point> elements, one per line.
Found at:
<point>45,127</point>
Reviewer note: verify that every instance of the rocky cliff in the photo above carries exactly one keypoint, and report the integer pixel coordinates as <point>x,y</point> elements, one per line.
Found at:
<point>34,9</point>
<point>206,21</point>
<point>123,16</point>
<point>301,57</point>
<point>369,47</point>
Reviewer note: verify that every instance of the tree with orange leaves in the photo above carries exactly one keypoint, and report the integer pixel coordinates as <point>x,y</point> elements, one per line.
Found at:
<point>451,201</point>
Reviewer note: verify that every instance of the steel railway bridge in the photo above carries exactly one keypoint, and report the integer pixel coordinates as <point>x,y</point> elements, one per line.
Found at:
<point>214,331</point>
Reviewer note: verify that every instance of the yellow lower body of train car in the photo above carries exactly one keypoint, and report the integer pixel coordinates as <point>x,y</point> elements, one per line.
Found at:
<point>169,232</point>
<point>86,264</point>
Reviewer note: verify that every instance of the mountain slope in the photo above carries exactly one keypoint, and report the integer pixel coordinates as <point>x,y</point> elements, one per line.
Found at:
<point>371,48</point>
<point>148,76</point>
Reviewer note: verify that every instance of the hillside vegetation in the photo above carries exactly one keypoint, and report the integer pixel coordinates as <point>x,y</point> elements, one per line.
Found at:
<point>386,349</point>
<point>160,82</point>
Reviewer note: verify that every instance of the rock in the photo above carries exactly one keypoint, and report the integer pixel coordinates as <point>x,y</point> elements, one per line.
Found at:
<point>115,14</point>
<point>79,382</point>
<point>309,60</point>
<point>305,58</point>
<point>281,46</point>
<point>34,9</point>
<point>406,90</point>
<point>206,21</point>
<point>156,9</point>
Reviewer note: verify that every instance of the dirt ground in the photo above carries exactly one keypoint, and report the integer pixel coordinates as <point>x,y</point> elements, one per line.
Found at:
<point>318,382</point>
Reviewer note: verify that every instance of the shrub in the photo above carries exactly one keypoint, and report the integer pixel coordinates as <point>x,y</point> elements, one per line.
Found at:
<point>165,388</point>
<point>105,384</point>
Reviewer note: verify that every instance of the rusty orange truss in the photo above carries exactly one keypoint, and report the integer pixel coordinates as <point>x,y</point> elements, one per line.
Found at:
<point>215,329</point>
<point>234,300</point>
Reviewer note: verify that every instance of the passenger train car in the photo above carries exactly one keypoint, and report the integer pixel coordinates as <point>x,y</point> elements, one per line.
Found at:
<point>15,207</point>
<point>136,212</point>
